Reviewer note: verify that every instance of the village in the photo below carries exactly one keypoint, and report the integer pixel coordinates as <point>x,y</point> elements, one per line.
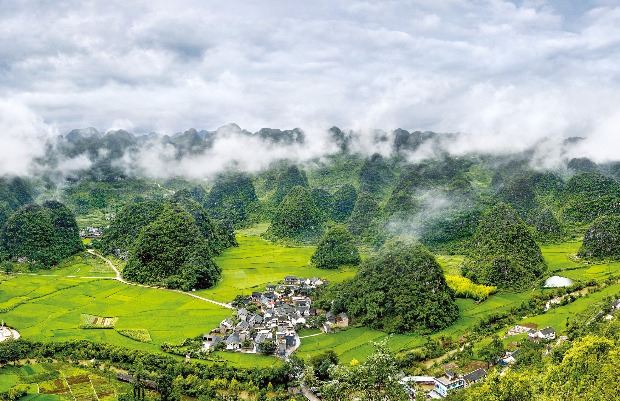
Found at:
<point>438,387</point>
<point>267,322</point>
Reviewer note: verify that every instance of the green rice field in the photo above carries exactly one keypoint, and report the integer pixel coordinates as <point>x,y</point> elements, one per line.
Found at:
<point>48,305</point>
<point>257,262</point>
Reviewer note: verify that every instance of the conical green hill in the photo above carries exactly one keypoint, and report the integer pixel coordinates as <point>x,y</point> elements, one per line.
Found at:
<point>602,240</point>
<point>504,253</point>
<point>336,248</point>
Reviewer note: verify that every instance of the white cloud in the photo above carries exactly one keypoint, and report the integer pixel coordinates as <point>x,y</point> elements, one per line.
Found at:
<point>508,73</point>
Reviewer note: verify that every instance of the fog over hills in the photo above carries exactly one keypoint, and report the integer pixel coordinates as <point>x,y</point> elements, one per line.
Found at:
<point>509,74</point>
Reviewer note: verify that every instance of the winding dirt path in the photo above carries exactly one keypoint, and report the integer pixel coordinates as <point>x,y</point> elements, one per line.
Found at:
<point>119,278</point>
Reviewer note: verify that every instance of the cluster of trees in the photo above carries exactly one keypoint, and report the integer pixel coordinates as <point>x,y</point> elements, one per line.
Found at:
<point>374,379</point>
<point>40,234</point>
<point>170,243</point>
<point>174,378</point>
<point>400,289</point>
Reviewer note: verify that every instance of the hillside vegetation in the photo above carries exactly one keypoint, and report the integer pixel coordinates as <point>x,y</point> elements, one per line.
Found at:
<point>171,251</point>
<point>336,248</point>
<point>40,234</point>
<point>504,253</point>
<point>400,289</point>
<point>602,240</point>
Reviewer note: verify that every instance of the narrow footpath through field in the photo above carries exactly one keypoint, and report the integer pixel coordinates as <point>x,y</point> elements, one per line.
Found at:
<point>119,278</point>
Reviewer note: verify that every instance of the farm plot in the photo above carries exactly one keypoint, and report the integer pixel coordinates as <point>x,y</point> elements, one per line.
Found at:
<point>97,322</point>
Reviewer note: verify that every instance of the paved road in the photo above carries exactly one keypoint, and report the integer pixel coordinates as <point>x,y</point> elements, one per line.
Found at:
<point>309,394</point>
<point>312,335</point>
<point>120,279</point>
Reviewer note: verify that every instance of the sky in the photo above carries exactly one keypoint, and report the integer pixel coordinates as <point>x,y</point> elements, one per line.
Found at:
<point>506,72</point>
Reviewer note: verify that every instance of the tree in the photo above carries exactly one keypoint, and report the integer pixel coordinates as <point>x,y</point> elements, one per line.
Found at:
<point>336,248</point>
<point>267,347</point>
<point>373,380</point>
<point>493,351</point>
<point>165,388</point>
<point>323,362</point>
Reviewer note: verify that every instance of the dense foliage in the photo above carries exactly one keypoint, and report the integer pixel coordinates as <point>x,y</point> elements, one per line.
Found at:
<point>297,217</point>
<point>41,234</point>
<point>214,381</point>
<point>374,379</point>
<point>289,179</point>
<point>504,253</point>
<point>343,202</point>
<point>602,240</point>
<point>336,248</point>
<point>14,193</point>
<point>129,221</point>
<point>231,198</point>
<point>590,195</point>
<point>375,174</point>
<point>365,220</point>
<point>546,227</point>
<point>400,289</point>
<point>582,368</point>
<point>120,236</point>
<point>171,251</point>
<point>525,191</point>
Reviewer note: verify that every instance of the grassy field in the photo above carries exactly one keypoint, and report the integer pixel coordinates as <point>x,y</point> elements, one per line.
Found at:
<point>561,260</point>
<point>257,262</point>
<point>48,306</point>
<point>51,308</point>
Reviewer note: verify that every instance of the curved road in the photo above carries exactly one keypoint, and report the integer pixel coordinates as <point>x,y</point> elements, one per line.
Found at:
<point>119,278</point>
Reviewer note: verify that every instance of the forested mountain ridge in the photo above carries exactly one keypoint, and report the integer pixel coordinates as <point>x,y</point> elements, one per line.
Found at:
<point>435,236</point>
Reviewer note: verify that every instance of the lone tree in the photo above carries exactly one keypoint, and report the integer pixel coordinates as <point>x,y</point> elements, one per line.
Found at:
<point>297,218</point>
<point>602,240</point>
<point>336,248</point>
<point>504,253</point>
<point>401,289</point>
